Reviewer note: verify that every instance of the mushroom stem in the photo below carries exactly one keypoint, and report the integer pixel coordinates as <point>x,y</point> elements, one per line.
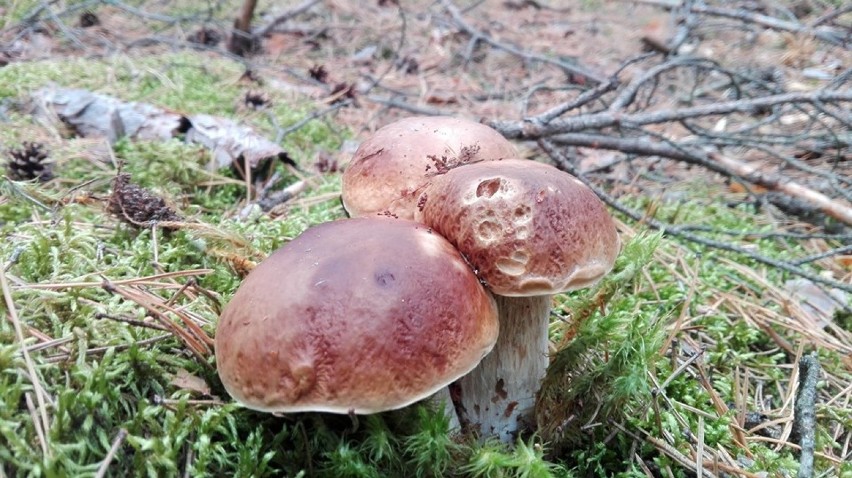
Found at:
<point>497,398</point>
<point>442,400</point>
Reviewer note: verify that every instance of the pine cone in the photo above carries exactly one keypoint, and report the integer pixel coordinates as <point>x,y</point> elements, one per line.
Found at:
<point>138,206</point>
<point>29,162</point>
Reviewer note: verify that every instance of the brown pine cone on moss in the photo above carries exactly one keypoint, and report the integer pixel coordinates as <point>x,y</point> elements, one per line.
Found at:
<point>29,162</point>
<point>138,206</point>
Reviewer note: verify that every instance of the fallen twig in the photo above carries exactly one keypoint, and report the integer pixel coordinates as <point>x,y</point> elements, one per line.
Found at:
<point>196,340</point>
<point>152,281</point>
<point>116,443</point>
<point>242,41</point>
<point>28,361</point>
<point>606,119</point>
<point>478,35</point>
<point>297,10</point>
<point>719,163</point>
<point>756,18</point>
<point>282,196</point>
<point>804,415</point>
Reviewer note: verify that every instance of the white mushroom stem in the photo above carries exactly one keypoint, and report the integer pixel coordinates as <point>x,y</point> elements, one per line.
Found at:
<point>442,400</point>
<point>497,398</point>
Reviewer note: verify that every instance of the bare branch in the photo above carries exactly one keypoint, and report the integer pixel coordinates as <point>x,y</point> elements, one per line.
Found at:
<point>746,16</point>
<point>804,413</point>
<point>585,97</point>
<point>297,10</point>
<point>715,162</point>
<point>750,172</point>
<point>529,130</point>
<point>242,41</point>
<point>454,12</point>
<point>563,163</point>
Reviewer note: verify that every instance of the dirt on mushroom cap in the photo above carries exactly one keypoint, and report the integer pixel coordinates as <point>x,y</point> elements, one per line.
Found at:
<point>390,169</point>
<point>528,228</point>
<point>362,314</point>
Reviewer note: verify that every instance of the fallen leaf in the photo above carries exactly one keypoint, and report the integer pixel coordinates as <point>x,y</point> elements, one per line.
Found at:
<point>187,381</point>
<point>818,304</point>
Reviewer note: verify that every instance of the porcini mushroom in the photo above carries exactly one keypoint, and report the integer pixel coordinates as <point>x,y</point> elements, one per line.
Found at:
<point>390,168</point>
<point>354,316</point>
<point>530,231</point>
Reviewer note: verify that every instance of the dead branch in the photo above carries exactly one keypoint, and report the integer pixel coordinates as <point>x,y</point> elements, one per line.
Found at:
<point>831,15</point>
<point>242,41</point>
<point>774,182</point>
<point>826,35</point>
<point>804,416</point>
<point>563,163</point>
<point>588,96</point>
<point>625,118</point>
<point>478,35</point>
<point>719,163</point>
<point>605,119</point>
<point>284,17</point>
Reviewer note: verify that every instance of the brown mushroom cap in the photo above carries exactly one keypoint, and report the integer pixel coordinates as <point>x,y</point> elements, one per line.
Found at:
<point>360,315</point>
<point>390,169</point>
<point>528,228</point>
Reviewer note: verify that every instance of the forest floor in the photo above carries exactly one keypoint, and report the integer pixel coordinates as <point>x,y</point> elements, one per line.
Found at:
<point>690,360</point>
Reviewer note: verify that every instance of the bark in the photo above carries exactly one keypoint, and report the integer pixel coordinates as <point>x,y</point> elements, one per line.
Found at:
<point>242,41</point>
<point>497,399</point>
<point>804,415</point>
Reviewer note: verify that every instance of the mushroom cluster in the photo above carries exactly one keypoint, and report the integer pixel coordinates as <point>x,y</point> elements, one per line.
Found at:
<point>453,239</point>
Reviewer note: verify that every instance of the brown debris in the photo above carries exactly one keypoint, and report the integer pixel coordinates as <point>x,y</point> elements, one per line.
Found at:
<point>522,4</point>
<point>205,36</point>
<point>138,206</point>
<point>340,92</point>
<point>256,100</point>
<point>408,65</point>
<point>242,42</point>
<point>89,19</point>
<point>319,73</point>
<point>443,164</point>
<point>250,76</point>
<point>325,163</point>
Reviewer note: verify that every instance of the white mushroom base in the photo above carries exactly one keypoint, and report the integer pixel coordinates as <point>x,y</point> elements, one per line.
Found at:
<point>497,398</point>
<point>442,400</point>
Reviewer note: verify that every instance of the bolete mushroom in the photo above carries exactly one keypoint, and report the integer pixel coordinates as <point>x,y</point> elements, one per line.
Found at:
<point>354,316</point>
<point>530,231</point>
<point>390,168</point>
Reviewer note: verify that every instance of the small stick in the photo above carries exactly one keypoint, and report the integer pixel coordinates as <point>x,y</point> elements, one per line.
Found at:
<point>119,439</point>
<point>167,401</point>
<point>242,41</point>
<point>677,372</point>
<point>151,280</point>
<point>297,10</point>
<point>40,432</point>
<point>699,454</point>
<point>134,322</point>
<point>12,312</point>
<point>804,414</point>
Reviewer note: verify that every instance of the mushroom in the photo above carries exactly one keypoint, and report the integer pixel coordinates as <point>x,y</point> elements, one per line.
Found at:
<point>354,316</point>
<point>390,169</point>
<point>530,231</point>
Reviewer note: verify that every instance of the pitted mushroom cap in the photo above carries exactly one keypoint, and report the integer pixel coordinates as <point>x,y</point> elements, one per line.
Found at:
<point>527,227</point>
<point>390,169</point>
<point>360,315</point>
